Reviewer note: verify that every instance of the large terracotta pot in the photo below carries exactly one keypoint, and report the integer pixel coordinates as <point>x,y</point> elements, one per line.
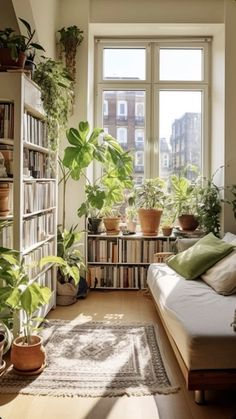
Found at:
<point>188,222</point>
<point>6,60</point>
<point>28,358</point>
<point>149,221</point>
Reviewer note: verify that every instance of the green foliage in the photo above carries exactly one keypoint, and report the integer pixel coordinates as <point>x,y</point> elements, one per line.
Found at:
<point>69,259</point>
<point>116,167</point>
<point>57,96</point>
<point>151,194</point>
<point>19,293</point>
<point>70,39</point>
<point>9,39</point>
<point>182,196</point>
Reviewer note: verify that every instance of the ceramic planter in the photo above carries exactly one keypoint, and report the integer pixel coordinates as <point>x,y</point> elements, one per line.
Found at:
<point>188,222</point>
<point>112,225</point>
<point>150,221</point>
<point>167,230</point>
<point>6,60</point>
<point>94,225</point>
<point>29,359</point>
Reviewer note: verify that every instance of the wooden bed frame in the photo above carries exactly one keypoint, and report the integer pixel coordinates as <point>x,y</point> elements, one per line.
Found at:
<point>200,380</point>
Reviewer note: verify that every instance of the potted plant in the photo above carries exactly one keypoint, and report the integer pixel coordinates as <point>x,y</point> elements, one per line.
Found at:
<point>183,198</point>
<point>149,198</point>
<point>14,47</point>
<point>116,168</point>
<point>70,263</point>
<point>131,218</point>
<point>20,294</point>
<point>70,39</point>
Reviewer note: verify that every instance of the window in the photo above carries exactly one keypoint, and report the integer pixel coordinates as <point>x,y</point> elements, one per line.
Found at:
<point>122,109</point>
<point>154,96</point>
<point>122,136</point>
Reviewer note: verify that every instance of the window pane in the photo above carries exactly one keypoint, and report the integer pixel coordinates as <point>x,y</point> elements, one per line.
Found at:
<point>124,63</point>
<point>125,120</point>
<point>181,64</point>
<point>180,133</point>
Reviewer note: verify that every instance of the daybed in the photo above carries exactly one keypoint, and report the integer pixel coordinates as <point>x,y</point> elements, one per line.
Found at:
<point>197,320</point>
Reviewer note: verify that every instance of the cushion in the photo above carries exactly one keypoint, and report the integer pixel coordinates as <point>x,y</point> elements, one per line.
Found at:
<point>184,244</point>
<point>229,238</point>
<point>222,276</point>
<point>201,256</point>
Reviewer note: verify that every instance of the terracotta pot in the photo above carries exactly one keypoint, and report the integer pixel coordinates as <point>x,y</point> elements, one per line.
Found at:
<point>28,358</point>
<point>4,199</point>
<point>149,221</point>
<point>167,230</point>
<point>6,60</point>
<point>188,222</point>
<point>112,225</point>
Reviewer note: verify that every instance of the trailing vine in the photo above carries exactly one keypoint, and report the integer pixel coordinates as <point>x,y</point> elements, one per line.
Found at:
<point>57,96</point>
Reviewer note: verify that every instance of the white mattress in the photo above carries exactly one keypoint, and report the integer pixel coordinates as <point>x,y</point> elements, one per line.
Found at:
<point>197,318</point>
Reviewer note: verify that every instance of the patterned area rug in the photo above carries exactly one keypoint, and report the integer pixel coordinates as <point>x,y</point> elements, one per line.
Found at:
<point>95,360</point>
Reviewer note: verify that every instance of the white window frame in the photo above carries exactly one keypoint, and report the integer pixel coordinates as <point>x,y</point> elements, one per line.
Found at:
<point>152,85</point>
<point>119,103</point>
<point>124,130</point>
<point>139,153</point>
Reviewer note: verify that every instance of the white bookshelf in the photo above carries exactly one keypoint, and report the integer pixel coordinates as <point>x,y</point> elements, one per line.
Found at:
<point>34,209</point>
<point>121,261</point>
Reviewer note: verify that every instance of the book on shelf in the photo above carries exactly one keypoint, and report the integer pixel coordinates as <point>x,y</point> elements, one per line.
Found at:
<point>34,130</point>
<point>6,120</point>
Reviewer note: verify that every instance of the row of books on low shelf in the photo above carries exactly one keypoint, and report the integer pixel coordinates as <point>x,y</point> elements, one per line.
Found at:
<point>31,259</point>
<point>39,196</point>
<point>37,229</point>
<point>117,276</point>
<point>6,119</point>
<point>35,130</point>
<point>125,251</point>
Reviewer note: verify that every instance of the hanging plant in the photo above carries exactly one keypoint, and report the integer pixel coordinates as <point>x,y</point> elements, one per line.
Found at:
<point>57,96</point>
<point>70,39</point>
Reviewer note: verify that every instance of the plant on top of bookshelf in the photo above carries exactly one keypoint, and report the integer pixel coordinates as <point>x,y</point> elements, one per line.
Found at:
<point>149,198</point>
<point>116,168</point>
<point>14,47</point>
<point>57,96</point>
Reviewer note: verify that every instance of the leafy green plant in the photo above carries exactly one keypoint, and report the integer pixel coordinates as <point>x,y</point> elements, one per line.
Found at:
<point>151,194</point>
<point>182,196</point>
<point>19,293</point>
<point>70,39</point>
<point>9,39</point>
<point>57,96</point>
<point>116,167</point>
<point>69,258</point>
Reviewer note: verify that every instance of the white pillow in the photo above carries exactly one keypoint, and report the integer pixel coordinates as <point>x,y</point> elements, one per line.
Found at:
<point>229,238</point>
<point>222,276</point>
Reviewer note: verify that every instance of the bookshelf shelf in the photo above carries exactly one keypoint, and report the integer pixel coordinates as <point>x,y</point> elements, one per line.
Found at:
<point>28,162</point>
<point>121,261</point>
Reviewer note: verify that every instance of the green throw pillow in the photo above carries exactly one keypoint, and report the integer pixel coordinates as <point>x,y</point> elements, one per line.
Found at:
<point>201,256</point>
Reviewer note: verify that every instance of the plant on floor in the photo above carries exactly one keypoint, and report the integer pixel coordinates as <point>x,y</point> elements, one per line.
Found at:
<point>21,295</point>
<point>57,96</point>
<point>70,39</point>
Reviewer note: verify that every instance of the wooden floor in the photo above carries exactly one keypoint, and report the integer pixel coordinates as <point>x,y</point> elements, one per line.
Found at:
<point>125,306</point>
